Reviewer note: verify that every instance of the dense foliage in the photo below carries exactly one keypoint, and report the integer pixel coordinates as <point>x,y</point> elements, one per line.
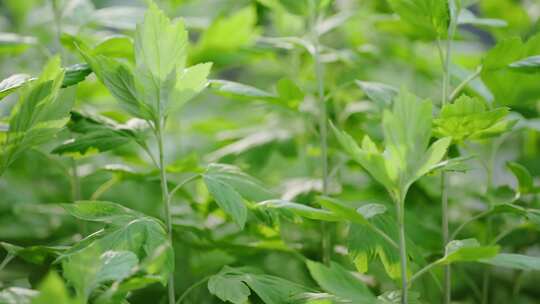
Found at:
<point>269,151</point>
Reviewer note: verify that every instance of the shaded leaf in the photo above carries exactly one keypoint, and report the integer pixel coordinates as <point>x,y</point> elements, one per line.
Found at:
<point>336,280</point>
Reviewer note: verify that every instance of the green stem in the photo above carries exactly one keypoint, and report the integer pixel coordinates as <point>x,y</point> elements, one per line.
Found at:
<point>319,72</point>
<point>166,201</point>
<point>75,181</point>
<point>191,288</point>
<point>447,281</point>
<point>446,59</point>
<point>6,260</point>
<point>400,204</point>
<point>465,82</point>
<point>182,184</point>
<point>470,220</point>
<point>104,188</point>
<point>420,272</point>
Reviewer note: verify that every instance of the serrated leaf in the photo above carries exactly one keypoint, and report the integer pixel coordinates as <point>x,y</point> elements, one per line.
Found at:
<point>218,45</point>
<point>429,18</point>
<point>40,113</point>
<point>97,133</point>
<point>509,85</point>
<point>229,289</point>
<point>467,250</point>
<point>144,237</point>
<point>270,289</point>
<point>336,280</point>
<point>228,199</point>
<point>246,185</point>
<point>469,118</point>
<point>407,155</point>
<point>101,211</point>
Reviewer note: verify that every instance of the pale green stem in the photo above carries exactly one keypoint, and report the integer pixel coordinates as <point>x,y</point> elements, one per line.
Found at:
<point>470,220</point>
<point>104,188</point>
<point>182,184</point>
<point>191,288</point>
<point>319,72</point>
<point>447,283</point>
<point>165,201</point>
<point>465,82</point>
<point>400,205</point>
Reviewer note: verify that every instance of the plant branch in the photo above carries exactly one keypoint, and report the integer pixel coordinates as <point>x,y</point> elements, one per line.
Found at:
<point>182,184</point>
<point>400,204</point>
<point>165,200</point>
<point>192,287</point>
<point>319,73</point>
<point>470,220</point>
<point>465,82</point>
<point>6,260</point>
<point>104,188</point>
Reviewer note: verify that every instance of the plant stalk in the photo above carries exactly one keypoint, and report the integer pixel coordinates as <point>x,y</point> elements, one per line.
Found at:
<point>319,73</point>
<point>400,204</point>
<point>166,202</point>
<point>191,288</point>
<point>447,283</point>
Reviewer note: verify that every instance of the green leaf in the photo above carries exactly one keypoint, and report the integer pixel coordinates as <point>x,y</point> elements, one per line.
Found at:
<point>364,246</point>
<point>99,211</point>
<point>469,118</point>
<point>229,289</point>
<point>75,74</point>
<point>117,46</point>
<point>130,236</point>
<point>39,115</point>
<point>529,64</point>
<point>509,85</point>
<point>97,133</point>
<point>17,295</point>
<point>227,284</point>
<point>407,155</point>
<point>524,178</point>
<point>239,90</point>
<point>290,95</point>
<point>428,18</point>
<point>467,250</point>
<point>514,261</point>
<point>217,43</point>
<point>394,297</point>
<point>228,199</point>
<point>189,83</point>
<point>380,93</point>
<point>118,78</point>
<point>336,280</point>
<point>12,83</point>
<point>53,290</point>
<point>160,45</point>
<point>38,254</point>
<point>246,185</point>
<point>292,209</point>
<point>90,268</point>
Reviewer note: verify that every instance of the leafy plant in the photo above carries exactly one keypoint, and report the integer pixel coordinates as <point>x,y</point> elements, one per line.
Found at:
<point>277,152</point>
